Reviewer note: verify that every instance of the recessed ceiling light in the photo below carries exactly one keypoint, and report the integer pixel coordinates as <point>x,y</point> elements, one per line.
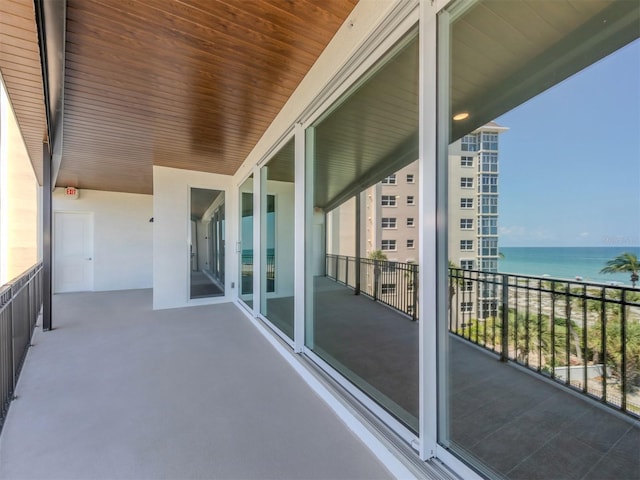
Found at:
<point>461,116</point>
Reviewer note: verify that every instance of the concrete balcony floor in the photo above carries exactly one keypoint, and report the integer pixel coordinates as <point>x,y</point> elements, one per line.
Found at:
<point>118,390</point>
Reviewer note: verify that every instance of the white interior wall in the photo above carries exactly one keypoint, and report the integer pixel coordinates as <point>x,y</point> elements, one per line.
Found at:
<point>284,196</point>
<point>123,239</point>
<point>341,229</point>
<point>171,235</point>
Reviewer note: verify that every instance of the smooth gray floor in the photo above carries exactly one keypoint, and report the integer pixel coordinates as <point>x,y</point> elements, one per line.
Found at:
<point>117,390</point>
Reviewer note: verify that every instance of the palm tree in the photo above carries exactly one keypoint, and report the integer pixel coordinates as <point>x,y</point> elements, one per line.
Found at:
<point>378,255</point>
<point>625,262</point>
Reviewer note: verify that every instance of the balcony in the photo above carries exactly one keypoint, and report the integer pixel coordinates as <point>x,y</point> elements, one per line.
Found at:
<point>119,390</point>
<point>528,392</point>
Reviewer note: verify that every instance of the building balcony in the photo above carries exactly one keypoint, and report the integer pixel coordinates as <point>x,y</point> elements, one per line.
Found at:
<point>118,390</point>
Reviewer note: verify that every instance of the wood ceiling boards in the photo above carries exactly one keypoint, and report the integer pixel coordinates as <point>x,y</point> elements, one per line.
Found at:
<point>187,84</point>
<point>22,74</point>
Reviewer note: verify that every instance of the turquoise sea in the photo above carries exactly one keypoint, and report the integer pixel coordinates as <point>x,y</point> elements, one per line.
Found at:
<point>564,262</point>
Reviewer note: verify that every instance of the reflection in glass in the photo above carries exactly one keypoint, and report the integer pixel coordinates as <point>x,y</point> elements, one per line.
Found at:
<point>357,318</point>
<point>207,248</point>
<point>507,423</point>
<point>246,242</point>
<point>278,237</point>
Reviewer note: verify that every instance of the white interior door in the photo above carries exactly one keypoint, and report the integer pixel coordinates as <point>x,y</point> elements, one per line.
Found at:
<point>73,252</point>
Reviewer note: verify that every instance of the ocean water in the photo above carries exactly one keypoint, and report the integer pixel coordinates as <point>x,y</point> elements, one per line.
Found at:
<point>564,262</point>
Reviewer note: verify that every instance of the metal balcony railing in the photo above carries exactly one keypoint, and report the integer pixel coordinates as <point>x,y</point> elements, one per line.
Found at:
<point>583,335</point>
<point>20,305</point>
<point>391,283</point>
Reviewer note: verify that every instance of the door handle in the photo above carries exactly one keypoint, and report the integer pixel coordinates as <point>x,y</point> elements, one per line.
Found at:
<point>89,258</point>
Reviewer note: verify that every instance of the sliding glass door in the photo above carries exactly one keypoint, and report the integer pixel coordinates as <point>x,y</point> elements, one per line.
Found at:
<point>277,236</point>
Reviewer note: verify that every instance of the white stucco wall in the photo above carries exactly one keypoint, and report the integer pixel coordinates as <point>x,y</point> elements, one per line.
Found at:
<point>171,232</point>
<point>283,192</point>
<point>123,238</point>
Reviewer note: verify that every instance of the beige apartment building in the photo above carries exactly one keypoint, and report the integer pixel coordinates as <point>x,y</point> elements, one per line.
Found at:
<point>392,205</point>
<point>389,218</point>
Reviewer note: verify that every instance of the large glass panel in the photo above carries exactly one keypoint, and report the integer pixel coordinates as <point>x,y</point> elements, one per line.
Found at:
<point>207,243</point>
<point>278,238</point>
<point>360,315</point>
<point>543,109</point>
<point>245,281</point>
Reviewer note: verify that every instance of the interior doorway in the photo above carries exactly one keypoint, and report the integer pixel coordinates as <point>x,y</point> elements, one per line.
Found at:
<point>207,243</point>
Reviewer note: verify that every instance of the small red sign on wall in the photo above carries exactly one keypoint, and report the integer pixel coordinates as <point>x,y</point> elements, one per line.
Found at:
<point>71,192</point>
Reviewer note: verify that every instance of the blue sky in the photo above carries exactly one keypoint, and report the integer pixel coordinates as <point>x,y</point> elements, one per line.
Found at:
<point>570,163</point>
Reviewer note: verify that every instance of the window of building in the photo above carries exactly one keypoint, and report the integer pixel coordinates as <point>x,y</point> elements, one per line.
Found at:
<point>388,222</point>
<point>388,245</point>
<point>466,223</point>
<point>489,247</point>
<point>467,286</point>
<point>488,204</point>
<point>466,264</point>
<point>466,203</point>
<point>410,178</point>
<point>390,180</point>
<point>411,200</point>
<point>489,183</point>
<point>466,182</point>
<point>466,307</point>
<point>409,243</point>
<point>466,161</point>
<point>488,226</point>
<point>389,266</point>
<point>469,143</point>
<point>410,222</point>
<point>489,265</point>
<point>489,162</point>
<point>466,244</point>
<point>388,288</point>
<point>489,141</point>
<point>388,200</point>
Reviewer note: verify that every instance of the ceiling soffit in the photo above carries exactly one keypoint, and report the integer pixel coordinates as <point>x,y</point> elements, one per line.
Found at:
<point>22,74</point>
<point>190,84</point>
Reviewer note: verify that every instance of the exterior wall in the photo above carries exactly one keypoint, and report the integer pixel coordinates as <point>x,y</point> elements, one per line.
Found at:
<point>123,241</point>
<point>19,200</point>
<point>171,235</point>
<point>456,192</point>
<point>401,212</point>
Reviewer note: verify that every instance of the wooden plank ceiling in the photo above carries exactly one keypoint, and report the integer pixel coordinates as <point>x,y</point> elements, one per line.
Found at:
<point>22,74</point>
<point>188,84</point>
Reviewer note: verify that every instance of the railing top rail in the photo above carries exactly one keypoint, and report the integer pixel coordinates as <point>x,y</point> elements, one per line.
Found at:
<point>371,261</point>
<point>485,276</point>
<point>10,289</point>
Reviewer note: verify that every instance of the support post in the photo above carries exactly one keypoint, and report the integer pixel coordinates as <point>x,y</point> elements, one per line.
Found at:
<point>504,353</point>
<point>47,234</point>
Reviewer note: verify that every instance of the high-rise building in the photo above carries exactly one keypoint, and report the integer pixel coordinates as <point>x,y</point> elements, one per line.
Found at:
<point>473,205</point>
<point>393,219</point>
